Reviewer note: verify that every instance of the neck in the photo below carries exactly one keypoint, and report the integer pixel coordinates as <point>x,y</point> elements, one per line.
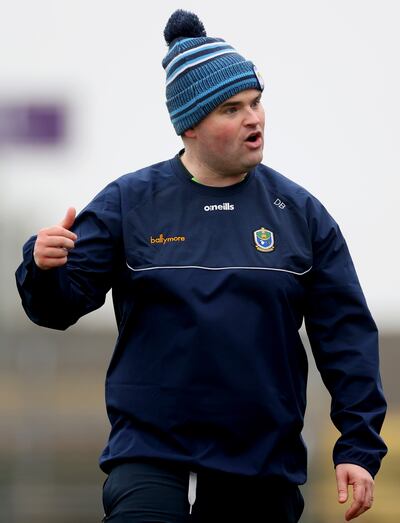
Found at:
<point>206,175</point>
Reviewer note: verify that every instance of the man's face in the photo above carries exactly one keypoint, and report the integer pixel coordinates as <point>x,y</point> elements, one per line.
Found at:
<point>230,140</point>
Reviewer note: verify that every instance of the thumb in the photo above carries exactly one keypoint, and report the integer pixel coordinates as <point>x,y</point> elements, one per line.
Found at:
<point>342,485</point>
<point>68,221</point>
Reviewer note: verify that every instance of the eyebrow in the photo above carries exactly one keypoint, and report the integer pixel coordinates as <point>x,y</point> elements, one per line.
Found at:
<point>238,102</point>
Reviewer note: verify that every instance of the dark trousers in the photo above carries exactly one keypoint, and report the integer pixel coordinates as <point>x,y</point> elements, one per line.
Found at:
<point>157,492</point>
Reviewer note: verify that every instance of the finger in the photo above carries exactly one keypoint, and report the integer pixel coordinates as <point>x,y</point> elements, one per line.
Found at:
<point>52,263</point>
<point>57,230</point>
<point>342,485</point>
<point>369,494</point>
<point>68,221</point>
<point>53,252</point>
<point>359,504</point>
<point>56,241</point>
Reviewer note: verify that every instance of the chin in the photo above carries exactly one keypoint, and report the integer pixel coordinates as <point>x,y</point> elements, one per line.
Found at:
<point>255,160</point>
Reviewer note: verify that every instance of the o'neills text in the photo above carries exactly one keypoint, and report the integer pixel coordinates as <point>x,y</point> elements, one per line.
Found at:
<point>220,207</point>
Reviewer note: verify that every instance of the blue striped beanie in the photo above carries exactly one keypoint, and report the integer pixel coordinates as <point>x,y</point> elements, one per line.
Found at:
<point>202,72</point>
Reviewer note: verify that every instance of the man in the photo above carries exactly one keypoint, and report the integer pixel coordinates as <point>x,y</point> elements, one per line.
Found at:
<point>214,260</point>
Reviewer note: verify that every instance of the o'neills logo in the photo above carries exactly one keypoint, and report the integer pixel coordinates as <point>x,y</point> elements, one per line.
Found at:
<point>220,207</point>
<point>166,239</point>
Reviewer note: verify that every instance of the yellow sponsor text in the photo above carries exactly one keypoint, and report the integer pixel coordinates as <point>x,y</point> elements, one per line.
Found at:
<point>162,240</point>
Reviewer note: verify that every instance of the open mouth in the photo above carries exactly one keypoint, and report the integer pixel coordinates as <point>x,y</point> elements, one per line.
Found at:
<point>253,137</point>
<point>254,140</point>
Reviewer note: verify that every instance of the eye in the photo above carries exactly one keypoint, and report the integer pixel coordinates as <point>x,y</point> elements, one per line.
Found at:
<point>230,110</point>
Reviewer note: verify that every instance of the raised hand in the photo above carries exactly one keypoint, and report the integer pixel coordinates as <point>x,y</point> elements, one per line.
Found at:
<point>54,243</point>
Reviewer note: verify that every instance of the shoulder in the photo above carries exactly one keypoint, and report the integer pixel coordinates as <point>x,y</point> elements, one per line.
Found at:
<point>156,174</point>
<point>287,193</point>
<point>283,186</point>
<point>137,185</point>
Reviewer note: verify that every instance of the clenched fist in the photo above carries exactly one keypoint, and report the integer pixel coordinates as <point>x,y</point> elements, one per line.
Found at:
<point>53,243</point>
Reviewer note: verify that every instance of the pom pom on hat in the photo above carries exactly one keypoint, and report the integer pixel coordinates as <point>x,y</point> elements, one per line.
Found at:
<point>183,24</point>
<point>202,72</point>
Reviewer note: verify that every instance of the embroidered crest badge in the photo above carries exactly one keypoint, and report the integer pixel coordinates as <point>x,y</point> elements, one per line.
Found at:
<point>264,240</point>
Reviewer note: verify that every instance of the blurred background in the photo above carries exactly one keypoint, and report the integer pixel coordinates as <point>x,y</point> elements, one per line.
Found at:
<point>81,103</point>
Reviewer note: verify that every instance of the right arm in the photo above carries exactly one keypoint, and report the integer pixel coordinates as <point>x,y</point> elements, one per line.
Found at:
<point>67,269</point>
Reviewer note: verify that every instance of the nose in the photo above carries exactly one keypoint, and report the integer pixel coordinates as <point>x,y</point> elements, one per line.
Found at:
<point>253,117</point>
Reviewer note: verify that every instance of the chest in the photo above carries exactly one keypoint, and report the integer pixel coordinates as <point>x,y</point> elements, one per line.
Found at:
<point>216,231</point>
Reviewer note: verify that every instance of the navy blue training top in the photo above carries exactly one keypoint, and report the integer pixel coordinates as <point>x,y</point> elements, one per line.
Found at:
<point>210,288</point>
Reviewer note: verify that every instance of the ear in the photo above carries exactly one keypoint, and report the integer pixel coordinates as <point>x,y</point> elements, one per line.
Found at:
<point>189,133</point>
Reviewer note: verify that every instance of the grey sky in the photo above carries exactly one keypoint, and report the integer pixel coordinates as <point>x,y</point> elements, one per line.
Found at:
<point>331,98</point>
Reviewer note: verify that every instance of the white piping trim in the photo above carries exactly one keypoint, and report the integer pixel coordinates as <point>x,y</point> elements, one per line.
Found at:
<point>216,268</point>
<point>194,62</point>
<point>193,50</point>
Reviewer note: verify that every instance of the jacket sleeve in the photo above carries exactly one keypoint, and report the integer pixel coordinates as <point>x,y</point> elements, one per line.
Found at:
<point>57,298</point>
<point>344,341</point>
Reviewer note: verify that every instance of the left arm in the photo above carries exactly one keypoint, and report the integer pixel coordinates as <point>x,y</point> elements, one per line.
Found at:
<point>344,341</point>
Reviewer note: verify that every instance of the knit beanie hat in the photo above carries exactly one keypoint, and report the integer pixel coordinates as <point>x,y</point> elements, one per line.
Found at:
<point>202,72</point>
